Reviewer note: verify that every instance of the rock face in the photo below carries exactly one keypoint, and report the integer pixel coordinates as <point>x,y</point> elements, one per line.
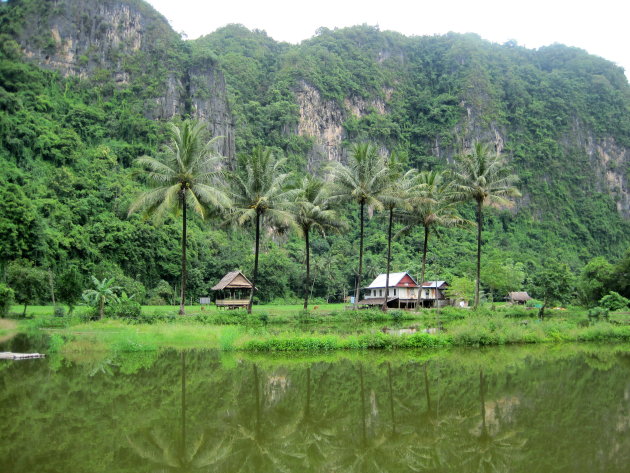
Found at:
<point>323,121</point>
<point>86,36</point>
<point>610,162</point>
<point>204,80</point>
<point>133,45</point>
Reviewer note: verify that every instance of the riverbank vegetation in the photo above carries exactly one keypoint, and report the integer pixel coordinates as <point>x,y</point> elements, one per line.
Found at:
<point>288,329</point>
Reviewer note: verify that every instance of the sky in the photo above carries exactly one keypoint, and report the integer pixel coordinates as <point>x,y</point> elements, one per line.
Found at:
<point>600,27</point>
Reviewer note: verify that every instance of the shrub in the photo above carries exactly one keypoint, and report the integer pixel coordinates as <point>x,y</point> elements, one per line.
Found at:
<point>453,313</point>
<point>305,317</point>
<point>7,297</point>
<point>263,317</point>
<point>125,309</point>
<point>614,301</point>
<point>424,340</point>
<point>55,342</point>
<point>533,303</point>
<point>597,312</point>
<point>155,300</point>
<point>59,311</point>
<point>396,315</point>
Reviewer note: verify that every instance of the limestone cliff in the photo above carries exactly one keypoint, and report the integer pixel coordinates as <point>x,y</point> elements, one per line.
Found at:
<point>323,120</point>
<point>128,42</point>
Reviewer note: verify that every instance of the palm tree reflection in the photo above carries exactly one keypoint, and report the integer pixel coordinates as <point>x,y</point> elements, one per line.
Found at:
<point>173,453</point>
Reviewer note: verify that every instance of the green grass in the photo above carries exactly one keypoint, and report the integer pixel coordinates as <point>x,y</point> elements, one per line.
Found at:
<point>329,329</point>
<point>271,309</point>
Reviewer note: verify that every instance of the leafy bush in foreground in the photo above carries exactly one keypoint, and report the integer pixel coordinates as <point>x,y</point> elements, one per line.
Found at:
<point>614,301</point>
<point>6,299</point>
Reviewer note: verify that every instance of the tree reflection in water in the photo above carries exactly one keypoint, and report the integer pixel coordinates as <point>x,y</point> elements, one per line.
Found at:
<point>175,454</point>
<point>484,451</point>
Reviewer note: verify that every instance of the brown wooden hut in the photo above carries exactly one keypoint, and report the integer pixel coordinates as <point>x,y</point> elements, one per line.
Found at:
<point>234,291</point>
<point>518,298</point>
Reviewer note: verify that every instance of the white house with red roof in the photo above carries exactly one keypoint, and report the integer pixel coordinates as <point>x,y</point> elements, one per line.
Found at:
<point>403,291</point>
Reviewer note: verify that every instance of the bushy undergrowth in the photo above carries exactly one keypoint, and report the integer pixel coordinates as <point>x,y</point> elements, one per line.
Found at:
<point>237,330</point>
<point>367,341</point>
<point>6,299</point>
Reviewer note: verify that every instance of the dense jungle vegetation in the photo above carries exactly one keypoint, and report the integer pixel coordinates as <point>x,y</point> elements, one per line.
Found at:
<point>68,147</point>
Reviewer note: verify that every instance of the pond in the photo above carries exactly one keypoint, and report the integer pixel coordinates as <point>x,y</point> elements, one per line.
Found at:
<point>561,408</point>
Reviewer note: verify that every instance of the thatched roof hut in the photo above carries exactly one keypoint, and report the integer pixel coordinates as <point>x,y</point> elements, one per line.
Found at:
<point>233,280</point>
<point>236,287</point>
<point>518,297</point>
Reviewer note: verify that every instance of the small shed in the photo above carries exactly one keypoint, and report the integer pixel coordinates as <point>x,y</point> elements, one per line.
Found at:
<point>519,298</point>
<point>432,294</point>
<point>234,290</point>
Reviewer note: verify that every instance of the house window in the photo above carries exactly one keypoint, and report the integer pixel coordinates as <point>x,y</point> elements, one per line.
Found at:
<point>380,292</point>
<point>394,291</point>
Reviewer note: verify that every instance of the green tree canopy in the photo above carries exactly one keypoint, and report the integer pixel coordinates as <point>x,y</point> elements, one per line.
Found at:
<point>482,176</point>
<point>259,195</point>
<point>186,175</point>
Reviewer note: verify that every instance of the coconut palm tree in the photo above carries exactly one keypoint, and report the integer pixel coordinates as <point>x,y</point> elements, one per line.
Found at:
<point>433,207</point>
<point>103,292</point>
<point>312,212</point>
<point>186,175</point>
<point>482,176</point>
<point>363,181</point>
<point>395,197</point>
<point>258,193</point>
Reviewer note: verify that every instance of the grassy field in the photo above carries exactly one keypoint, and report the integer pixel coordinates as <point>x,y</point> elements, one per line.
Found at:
<point>270,309</point>
<point>286,328</point>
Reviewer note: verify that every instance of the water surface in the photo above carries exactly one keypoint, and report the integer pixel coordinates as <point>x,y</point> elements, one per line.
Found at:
<point>529,409</point>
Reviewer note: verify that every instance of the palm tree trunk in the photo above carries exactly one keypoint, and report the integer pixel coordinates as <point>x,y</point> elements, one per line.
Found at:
<point>308,269</point>
<point>251,298</point>
<point>183,420</point>
<point>482,400</point>
<point>391,397</point>
<point>389,256</point>
<point>307,407</point>
<point>357,290</point>
<point>426,388</point>
<point>257,393</point>
<point>363,425</point>
<point>183,288</point>
<point>101,307</point>
<point>479,224</point>
<point>424,263</point>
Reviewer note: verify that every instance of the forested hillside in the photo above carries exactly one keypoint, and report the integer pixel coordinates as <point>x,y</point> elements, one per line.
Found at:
<point>87,88</point>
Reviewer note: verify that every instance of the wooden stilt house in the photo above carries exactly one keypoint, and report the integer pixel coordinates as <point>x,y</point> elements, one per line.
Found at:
<point>402,291</point>
<point>234,291</point>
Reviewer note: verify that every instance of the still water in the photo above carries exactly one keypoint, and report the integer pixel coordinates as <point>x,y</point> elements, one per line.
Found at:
<point>526,409</point>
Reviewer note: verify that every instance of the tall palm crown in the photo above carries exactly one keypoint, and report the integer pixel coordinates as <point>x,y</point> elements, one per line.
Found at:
<point>396,197</point>
<point>432,206</point>
<point>258,191</point>
<point>482,176</point>
<point>312,211</point>
<point>363,180</point>
<point>186,175</point>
